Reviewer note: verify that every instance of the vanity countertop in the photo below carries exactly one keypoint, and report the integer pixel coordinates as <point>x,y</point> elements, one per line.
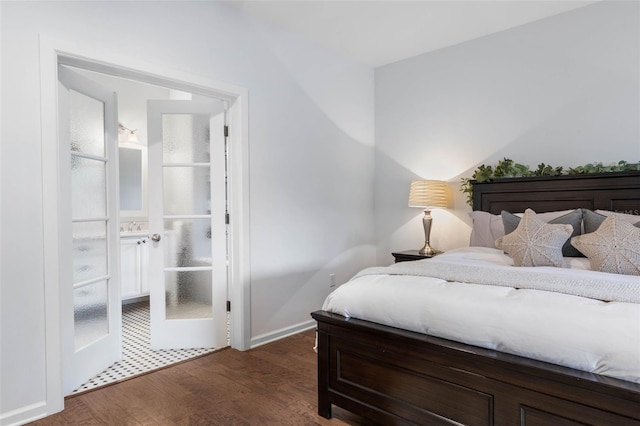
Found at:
<point>134,234</point>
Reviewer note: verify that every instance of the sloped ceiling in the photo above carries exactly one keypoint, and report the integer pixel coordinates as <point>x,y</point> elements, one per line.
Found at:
<point>377,33</point>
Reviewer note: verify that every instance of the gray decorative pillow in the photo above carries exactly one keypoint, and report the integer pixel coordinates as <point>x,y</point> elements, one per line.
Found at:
<point>614,247</point>
<point>574,218</point>
<point>593,220</point>
<point>535,242</point>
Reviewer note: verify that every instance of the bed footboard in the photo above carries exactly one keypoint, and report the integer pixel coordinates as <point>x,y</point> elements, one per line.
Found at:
<point>393,376</point>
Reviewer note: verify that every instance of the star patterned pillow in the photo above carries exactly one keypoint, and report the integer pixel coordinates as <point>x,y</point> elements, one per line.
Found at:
<point>535,242</point>
<point>614,247</point>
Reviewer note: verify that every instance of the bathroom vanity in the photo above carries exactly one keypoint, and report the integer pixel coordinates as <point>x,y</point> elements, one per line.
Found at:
<point>134,258</point>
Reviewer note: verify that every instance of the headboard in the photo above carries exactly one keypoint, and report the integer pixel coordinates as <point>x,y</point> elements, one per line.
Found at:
<point>617,191</point>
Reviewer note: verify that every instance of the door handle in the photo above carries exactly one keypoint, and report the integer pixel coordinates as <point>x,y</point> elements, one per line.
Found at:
<point>155,238</point>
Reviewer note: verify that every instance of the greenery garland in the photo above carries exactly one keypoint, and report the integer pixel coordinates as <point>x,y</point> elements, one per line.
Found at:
<point>508,168</point>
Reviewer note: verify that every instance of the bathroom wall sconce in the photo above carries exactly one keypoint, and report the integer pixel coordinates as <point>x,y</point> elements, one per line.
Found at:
<point>428,194</point>
<point>127,135</point>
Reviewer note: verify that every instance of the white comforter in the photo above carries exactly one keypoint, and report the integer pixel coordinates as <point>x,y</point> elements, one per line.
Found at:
<point>574,331</point>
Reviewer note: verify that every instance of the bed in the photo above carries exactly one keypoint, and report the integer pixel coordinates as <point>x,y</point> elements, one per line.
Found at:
<point>392,375</point>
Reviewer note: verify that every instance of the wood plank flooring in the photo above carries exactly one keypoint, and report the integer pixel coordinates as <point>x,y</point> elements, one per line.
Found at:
<point>274,384</point>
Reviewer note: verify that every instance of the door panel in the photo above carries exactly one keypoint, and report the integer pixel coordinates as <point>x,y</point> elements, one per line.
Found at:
<point>90,313</point>
<point>90,299</point>
<point>198,252</point>
<point>187,199</point>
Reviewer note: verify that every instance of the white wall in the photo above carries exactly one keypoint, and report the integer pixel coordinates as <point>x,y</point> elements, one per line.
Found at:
<point>563,91</point>
<point>311,158</point>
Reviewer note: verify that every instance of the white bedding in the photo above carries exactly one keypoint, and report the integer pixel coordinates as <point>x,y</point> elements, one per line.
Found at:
<point>574,331</point>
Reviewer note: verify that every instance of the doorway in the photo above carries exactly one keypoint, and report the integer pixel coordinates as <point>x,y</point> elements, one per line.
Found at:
<point>54,53</point>
<point>182,265</point>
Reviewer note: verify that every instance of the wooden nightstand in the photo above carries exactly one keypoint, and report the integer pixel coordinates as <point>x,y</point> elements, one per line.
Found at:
<point>408,255</point>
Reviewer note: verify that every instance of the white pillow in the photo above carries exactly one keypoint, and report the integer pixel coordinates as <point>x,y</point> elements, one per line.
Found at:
<point>486,229</point>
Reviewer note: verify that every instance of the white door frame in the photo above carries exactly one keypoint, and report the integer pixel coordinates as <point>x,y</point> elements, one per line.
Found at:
<point>74,53</point>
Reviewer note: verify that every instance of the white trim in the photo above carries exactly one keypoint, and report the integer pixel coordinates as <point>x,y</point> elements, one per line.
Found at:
<point>263,339</point>
<point>50,195</point>
<point>239,223</point>
<point>187,268</point>
<point>89,156</point>
<point>89,219</point>
<point>74,53</point>
<point>186,216</point>
<point>91,281</point>
<point>186,164</point>
<point>23,415</point>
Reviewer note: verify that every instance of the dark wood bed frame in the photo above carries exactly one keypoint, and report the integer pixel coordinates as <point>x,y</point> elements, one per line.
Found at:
<point>392,376</point>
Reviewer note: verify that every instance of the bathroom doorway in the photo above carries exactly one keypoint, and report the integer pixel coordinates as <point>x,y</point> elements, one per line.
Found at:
<point>77,53</point>
<point>188,309</point>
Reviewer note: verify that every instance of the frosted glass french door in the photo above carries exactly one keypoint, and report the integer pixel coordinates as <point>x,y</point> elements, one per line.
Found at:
<point>89,268</point>
<point>187,256</point>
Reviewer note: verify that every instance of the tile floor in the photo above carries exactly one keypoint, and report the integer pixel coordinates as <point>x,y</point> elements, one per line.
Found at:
<point>137,357</point>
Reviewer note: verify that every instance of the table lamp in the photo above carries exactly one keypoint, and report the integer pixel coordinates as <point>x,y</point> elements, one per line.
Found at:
<point>427,194</point>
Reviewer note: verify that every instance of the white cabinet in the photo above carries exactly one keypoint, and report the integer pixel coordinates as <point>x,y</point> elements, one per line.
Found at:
<point>134,255</point>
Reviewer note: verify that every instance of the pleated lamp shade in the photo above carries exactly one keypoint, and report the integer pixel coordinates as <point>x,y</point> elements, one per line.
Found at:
<point>428,193</point>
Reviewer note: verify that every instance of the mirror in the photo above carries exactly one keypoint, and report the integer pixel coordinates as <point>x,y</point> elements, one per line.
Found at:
<point>132,181</point>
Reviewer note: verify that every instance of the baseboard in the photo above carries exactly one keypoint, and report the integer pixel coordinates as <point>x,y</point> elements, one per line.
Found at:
<point>24,415</point>
<point>282,333</point>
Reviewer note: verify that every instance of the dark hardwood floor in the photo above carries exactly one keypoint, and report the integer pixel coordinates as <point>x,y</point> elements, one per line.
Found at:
<point>274,384</point>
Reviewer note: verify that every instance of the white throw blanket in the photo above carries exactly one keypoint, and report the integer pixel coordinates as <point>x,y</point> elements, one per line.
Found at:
<point>472,266</point>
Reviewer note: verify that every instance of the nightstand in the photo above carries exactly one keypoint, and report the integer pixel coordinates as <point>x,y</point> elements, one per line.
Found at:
<point>408,255</point>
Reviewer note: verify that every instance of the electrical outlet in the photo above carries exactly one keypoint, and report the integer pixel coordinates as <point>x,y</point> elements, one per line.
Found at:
<point>332,280</point>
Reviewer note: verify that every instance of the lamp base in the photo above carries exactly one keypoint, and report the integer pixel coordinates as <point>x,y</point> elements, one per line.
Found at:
<point>427,250</point>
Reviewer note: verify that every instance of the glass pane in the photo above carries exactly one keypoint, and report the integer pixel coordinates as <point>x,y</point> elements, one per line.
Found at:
<point>130,179</point>
<point>89,250</point>
<point>188,242</point>
<point>188,294</point>
<point>90,313</point>
<point>86,124</point>
<point>186,190</point>
<point>185,138</point>
<point>88,187</point>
